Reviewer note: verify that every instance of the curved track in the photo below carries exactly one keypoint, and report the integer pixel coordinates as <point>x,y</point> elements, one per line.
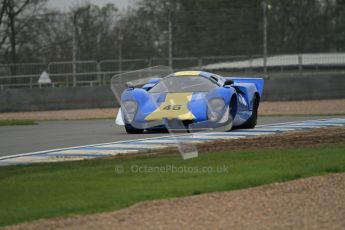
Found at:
<point>63,134</point>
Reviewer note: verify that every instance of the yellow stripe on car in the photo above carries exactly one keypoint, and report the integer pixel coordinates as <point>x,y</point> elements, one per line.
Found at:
<point>187,73</point>
<point>175,106</point>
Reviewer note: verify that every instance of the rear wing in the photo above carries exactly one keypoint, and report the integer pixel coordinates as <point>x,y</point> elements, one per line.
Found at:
<point>259,82</point>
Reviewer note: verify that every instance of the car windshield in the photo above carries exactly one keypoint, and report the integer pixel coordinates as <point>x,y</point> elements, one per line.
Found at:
<point>179,84</point>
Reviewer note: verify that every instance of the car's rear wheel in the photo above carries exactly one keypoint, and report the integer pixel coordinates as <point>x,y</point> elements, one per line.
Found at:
<point>252,121</point>
<point>131,130</point>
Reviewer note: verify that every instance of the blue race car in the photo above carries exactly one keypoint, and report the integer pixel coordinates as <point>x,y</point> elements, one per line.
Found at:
<point>191,100</point>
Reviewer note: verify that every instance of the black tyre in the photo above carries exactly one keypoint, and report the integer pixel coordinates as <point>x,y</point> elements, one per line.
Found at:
<point>251,123</point>
<point>232,112</point>
<point>131,130</point>
<point>230,125</point>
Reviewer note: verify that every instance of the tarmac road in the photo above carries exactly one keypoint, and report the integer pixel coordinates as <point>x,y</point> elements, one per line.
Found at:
<point>60,134</point>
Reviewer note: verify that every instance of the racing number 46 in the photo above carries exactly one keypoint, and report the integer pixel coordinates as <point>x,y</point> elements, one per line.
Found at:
<point>172,107</point>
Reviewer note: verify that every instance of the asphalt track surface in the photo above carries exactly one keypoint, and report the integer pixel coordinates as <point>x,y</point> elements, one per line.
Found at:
<point>61,134</point>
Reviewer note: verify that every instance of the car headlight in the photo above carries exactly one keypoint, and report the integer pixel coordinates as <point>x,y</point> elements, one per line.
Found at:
<point>130,106</point>
<point>216,104</point>
<point>215,109</point>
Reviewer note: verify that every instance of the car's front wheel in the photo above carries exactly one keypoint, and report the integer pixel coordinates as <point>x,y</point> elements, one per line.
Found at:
<point>131,130</point>
<point>251,123</point>
<point>230,123</point>
<point>232,112</point>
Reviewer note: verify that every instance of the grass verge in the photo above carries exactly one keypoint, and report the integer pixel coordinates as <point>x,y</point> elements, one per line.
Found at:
<point>60,189</point>
<point>17,122</point>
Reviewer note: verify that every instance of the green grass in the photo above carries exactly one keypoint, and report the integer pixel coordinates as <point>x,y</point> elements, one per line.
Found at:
<point>17,122</point>
<point>60,189</point>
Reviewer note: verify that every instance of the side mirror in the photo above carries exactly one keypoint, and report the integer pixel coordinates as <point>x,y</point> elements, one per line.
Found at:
<point>154,80</point>
<point>228,82</point>
<point>130,85</point>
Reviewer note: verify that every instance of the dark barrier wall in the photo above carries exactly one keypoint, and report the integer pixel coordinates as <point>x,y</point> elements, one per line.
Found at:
<point>276,89</point>
<point>56,98</point>
<point>304,88</point>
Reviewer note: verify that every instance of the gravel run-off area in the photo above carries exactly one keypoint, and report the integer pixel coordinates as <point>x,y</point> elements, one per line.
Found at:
<point>311,203</point>
<point>319,107</point>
